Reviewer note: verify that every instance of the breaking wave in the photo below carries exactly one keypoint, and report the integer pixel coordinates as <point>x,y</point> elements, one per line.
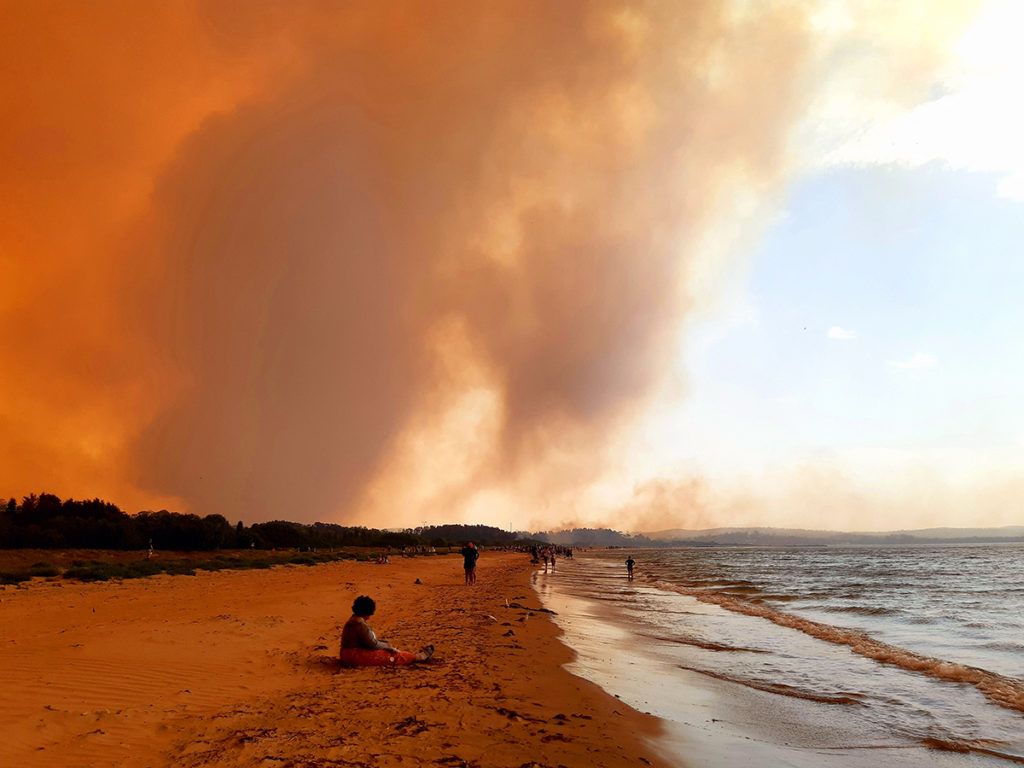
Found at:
<point>782,689</point>
<point>1005,691</point>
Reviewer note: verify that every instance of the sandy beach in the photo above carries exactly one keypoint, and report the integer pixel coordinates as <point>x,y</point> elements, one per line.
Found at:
<point>237,668</point>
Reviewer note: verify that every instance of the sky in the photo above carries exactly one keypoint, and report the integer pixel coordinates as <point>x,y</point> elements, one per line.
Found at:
<point>535,265</point>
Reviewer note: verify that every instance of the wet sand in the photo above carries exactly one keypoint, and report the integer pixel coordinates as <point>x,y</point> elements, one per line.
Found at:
<point>238,669</point>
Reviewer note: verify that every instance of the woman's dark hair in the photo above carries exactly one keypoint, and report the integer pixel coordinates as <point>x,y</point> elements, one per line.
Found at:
<point>364,606</point>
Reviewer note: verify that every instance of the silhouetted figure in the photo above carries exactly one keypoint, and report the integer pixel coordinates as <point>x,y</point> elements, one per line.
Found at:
<point>469,557</point>
<point>630,562</point>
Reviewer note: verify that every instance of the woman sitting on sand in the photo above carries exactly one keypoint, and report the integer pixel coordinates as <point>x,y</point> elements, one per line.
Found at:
<point>360,646</point>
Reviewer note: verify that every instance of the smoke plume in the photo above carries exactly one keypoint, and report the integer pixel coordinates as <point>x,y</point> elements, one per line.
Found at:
<point>364,261</point>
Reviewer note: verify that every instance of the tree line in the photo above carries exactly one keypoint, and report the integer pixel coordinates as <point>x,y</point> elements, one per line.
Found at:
<point>44,521</point>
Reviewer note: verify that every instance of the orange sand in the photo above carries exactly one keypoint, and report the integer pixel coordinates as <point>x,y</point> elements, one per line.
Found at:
<point>237,669</point>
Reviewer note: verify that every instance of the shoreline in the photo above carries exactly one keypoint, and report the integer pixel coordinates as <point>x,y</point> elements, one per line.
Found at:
<point>238,668</point>
<point>717,721</point>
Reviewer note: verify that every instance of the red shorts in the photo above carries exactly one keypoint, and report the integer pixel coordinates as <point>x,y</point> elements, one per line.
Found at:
<point>361,657</point>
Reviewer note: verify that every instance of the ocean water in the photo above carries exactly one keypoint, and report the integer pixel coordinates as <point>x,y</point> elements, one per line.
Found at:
<point>830,656</point>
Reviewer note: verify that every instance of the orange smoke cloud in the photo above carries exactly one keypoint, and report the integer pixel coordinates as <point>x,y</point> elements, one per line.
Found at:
<point>257,259</point>
<point>232,231</point>
<point>97,98</point>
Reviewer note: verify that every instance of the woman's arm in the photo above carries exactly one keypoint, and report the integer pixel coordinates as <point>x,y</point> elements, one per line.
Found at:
<point>368,639</point>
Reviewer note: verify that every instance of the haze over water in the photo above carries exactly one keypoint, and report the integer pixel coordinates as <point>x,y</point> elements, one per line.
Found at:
<point>810,656</point>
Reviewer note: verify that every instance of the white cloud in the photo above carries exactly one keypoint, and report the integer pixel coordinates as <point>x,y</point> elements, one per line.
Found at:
<point>835,332</point>
<point>919,360</point>
<point>969,119</point>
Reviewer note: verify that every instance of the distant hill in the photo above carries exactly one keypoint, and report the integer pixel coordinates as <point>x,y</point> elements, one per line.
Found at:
<point>779,537</point>
<point>597,537</point>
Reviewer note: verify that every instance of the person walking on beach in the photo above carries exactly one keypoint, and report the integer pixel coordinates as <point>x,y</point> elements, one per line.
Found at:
<point>629,566</point>
<point>361,648</point>
<point>469,557</point>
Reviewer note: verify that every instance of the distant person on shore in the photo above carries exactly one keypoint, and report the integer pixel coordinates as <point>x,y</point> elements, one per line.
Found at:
<point>630,562</point>
<point>469,557</point>
<point>361,648</point>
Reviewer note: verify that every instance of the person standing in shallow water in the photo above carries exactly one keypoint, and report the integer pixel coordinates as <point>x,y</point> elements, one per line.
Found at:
<point>469,557</point>
<point>630,562</point>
